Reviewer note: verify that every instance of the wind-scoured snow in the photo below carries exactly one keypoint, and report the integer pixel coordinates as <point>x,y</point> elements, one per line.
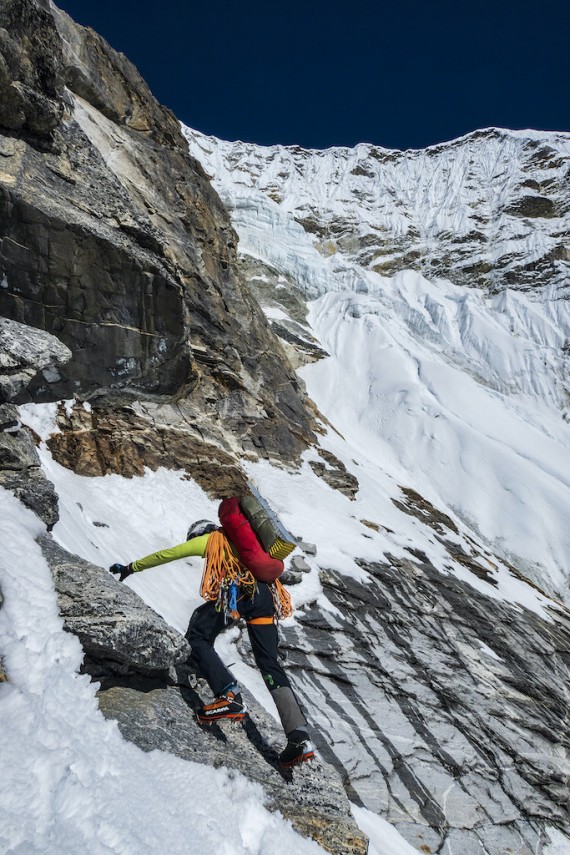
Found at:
<point>430,380</point>
<point>459,392</point>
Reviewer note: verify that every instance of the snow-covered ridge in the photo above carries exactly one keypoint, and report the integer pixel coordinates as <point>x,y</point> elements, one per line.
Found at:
<point>489,209</point>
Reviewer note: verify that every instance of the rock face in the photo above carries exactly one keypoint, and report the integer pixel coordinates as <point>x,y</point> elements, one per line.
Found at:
<point>118,632</point>
<point>30,72</point>
<point>20,468</point>
<point>114,241</point>
<point>126,440</point>
<point>25,352</point>
<point>440,715</point>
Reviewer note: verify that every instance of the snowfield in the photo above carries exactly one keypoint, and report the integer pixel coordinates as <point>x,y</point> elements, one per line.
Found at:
<point>68,780</point>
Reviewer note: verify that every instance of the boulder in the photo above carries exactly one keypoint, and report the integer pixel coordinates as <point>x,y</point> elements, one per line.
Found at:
<point>25,353</point>
<point>119,633</point>
<point>312,797</point>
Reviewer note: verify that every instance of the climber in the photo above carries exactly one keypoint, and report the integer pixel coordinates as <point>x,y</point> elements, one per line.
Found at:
<point>247,598</point>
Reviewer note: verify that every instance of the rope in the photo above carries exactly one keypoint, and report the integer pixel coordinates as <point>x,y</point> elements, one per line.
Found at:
<point>222,569</point>
<point>224,574</point>
<point>281,600</point>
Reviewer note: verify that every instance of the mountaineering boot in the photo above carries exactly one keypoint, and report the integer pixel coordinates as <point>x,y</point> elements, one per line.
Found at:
<point>228,705</point>
<point>297,750</point>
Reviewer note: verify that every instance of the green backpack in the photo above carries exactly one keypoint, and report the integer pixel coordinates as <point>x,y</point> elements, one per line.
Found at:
<point>272,534</point>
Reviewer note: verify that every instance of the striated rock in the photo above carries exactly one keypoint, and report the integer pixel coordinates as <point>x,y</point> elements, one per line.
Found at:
<point>419,507</point>
<point>26,352</point>
<point>118,632</point>
<point>20,468</point>
<point>441,715</point>
<point>156,716</point>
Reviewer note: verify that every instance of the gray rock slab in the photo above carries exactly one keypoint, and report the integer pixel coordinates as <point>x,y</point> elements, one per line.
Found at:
<point>24,352</point>
<point>299,564</point>
<point>445,711</point>
<point>20,470</point>
<point>312,797</point>
<point>118,631</point>
<point>291,577</point>
<point>34,490</point>
<point>307,548</point>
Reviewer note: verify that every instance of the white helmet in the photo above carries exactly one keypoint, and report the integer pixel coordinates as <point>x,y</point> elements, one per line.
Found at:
<point>199,528</point>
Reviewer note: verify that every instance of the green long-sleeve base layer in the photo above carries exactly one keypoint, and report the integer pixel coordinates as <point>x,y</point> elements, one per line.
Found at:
<point>190,548</point>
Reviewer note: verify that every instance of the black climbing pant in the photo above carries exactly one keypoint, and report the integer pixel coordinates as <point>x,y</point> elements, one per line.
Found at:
<point>259,613</point>
<point>206,624</point>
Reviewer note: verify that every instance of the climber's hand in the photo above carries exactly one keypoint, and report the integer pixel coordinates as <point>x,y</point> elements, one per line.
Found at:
<point>122,570</point>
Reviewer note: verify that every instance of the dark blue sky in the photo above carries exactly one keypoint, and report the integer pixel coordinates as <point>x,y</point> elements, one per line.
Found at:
<point>397,73</point>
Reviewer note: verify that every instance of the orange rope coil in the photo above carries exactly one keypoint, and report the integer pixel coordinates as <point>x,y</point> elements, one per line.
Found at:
<point>222,567</point>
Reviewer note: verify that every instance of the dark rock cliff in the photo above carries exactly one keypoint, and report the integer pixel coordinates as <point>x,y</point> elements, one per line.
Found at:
<point>113,240</point>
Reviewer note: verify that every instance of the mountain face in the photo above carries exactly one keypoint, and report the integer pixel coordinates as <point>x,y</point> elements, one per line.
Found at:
<point>182,294</point>
<point>458,378</point>
<point>451,379</point>
<point>489,210</point>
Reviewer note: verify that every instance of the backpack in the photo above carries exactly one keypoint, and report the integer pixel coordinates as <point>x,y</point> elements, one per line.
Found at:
<point>274,537</point>
<point>259,537</point>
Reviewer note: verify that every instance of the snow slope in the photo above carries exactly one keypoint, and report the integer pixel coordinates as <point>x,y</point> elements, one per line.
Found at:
<point>109,519</point>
